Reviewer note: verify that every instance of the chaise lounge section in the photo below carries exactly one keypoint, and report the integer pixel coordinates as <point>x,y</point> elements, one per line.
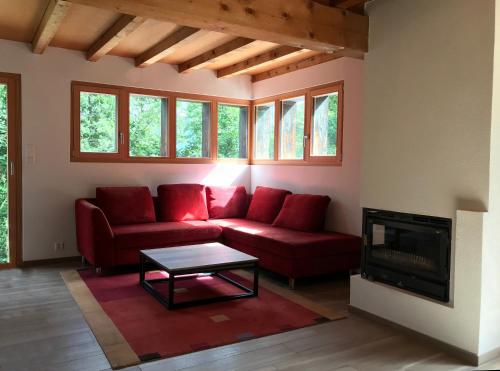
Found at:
<point>285,231</point>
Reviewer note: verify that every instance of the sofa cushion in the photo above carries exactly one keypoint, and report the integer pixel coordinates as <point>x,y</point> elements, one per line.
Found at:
<point>126,205</point>
<point>303,213</point>
<point>287,243</point>
<point>266,204</point>
<point>227,202</point>
<point>181,202</point>
<point>164,234</point>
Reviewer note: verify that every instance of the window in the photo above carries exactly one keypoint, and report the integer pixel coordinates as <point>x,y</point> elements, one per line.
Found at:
<point>232,131</point>
<point>264,131</point>
<point>310,127</point>
<point>192,129</point>
<point>98,123</point>
<point>148,136</point>
<point>124,124</point>
<point>325,125</point>
<point>292,129</point>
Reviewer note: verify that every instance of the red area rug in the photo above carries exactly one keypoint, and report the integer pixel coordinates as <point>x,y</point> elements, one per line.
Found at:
<point>154,332</point>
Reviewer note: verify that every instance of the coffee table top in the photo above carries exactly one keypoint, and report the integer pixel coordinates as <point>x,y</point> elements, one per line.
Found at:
<point>198,257</point>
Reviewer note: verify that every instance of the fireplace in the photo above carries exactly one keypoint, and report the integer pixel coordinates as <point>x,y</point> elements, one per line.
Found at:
<point>409,251</point>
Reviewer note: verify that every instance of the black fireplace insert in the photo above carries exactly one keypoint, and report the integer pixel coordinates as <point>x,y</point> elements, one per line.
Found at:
<point>409,251</point>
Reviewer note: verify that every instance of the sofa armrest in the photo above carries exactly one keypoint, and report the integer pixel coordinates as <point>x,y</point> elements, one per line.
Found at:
<point>93,234</point>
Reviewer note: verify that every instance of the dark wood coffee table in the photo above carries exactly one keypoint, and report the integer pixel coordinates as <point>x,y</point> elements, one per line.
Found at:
<point>183,261</point>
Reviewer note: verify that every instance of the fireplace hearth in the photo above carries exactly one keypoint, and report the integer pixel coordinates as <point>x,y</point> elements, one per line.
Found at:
<point>408,251</point>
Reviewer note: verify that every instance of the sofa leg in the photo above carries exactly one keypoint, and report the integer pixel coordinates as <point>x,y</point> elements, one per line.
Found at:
<point>291,283</point>
<point>84,262</point>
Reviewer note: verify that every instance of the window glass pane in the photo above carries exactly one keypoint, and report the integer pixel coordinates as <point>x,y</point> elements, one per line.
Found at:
<point>232,131</point>
<point>148,126</point>
<point>192,129</point>
<point>264,132</point>
<point>324,131</point>
<point>4,181</point>
<point>292,129</point>
<point>98,123</point>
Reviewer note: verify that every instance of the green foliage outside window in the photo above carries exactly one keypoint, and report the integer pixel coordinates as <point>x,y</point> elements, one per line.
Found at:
<point>232,131</point>
<point>4,200</point>
<point>192,129</point>
<point>324,136</point>
<point>98,123</point>
<point>148,126</point>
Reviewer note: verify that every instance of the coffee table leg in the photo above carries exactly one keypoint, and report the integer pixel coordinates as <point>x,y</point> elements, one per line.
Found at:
<point>171,281</point>
<point>141,272</point>
<point>256,279</point>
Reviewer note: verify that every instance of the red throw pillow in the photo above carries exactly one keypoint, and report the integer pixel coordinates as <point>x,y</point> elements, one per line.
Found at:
<point>303,213</point>
<point>179,202</point>
<point>227,202</point>
<point>266,204</point>
<point>126,205</point>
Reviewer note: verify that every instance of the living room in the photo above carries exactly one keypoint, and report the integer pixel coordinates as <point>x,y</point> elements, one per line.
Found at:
<point>163,109</point>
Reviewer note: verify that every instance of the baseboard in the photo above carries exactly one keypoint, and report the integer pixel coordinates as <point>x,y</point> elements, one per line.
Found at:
<point>464,355</point>
<point>486,357</point>
<point>33,263</point>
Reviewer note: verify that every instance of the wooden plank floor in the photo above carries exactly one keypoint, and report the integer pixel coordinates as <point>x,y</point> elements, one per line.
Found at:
<point>41,328</point>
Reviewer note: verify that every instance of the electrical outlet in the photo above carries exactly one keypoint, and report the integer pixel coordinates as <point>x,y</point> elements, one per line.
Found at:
<point>58,246</point>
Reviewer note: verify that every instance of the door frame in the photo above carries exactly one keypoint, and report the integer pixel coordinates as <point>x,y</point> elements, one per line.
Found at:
<point>13,82</point>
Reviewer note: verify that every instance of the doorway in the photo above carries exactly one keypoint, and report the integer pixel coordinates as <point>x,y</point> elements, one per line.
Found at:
<point>10,170</point>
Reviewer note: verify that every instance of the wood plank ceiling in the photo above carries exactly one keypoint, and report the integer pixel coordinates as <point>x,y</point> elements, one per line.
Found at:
<point>261,38</point>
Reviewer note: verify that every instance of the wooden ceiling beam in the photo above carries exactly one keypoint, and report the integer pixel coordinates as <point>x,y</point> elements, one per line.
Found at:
<point>167,46</point>
<point>52,17</point>
<point>123,27</point>
<point>212,55</point>
<point>347,4</point>
<point>259,60</point>
<point>308,62</point>
<point>300,23</point>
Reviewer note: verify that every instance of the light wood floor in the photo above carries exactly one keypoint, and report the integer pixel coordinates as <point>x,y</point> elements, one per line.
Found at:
<point>41,328</point>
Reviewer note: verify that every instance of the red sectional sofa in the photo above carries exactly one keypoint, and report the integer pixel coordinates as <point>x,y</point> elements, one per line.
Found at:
<point>285,231</point>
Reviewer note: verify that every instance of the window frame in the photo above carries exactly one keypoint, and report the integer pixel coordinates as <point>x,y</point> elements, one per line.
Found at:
<point>264,102</point>
<point>309,94</point>
<point>210,130</point>
<point>321,91</point>
<point>249,142</point>
<point>75,127</point>
<point>285,97</point>
<point>123,114</point>
<point>153,94</point>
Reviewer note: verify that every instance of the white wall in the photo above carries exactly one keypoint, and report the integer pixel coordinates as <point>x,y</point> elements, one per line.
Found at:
<point>426,135</point>
<point>490,288</point>
<point>51,185</point>
<point>341,183</point>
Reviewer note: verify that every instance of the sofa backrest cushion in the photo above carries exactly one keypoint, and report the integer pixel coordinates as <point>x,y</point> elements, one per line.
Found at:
<point>266,204</point>
<point>126,205</point>
<point>303,213</point>
<point>227,202</point>
<point>180,202</point>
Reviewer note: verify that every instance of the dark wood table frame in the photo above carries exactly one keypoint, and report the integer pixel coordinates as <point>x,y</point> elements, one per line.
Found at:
<point>214,270</point>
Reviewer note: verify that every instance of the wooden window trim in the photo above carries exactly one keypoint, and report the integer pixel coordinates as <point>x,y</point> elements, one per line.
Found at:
<point>216,123</point>
<point>309,94</point>
<point>123,125</point>
<point>76,154</point>
<point>256,103</point>
<point>335,88</point>
<point>123,93</point>
<point>211,123</point>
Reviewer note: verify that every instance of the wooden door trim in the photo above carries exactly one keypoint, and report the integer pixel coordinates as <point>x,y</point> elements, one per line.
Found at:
<point>13,82</point>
